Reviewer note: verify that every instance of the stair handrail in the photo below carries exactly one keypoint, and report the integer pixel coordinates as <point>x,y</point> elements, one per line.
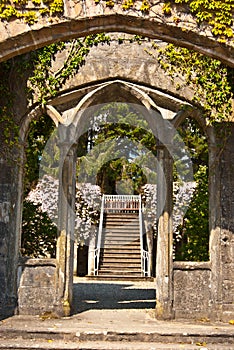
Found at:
<point>99,239</point>
<point>144,253</point>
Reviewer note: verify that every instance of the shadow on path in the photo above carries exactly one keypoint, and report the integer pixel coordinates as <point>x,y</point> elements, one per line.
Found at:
<point>101,295</point>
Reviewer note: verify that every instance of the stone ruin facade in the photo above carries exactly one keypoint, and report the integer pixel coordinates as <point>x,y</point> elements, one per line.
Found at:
<point>116,73</point>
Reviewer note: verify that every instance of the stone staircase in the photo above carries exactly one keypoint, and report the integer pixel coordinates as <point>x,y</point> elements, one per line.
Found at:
<point>120,248</point>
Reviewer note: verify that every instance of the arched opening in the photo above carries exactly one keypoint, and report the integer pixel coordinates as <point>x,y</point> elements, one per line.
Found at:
<point>123,92</point>
<point>79,126</point>
<point>118,151</point>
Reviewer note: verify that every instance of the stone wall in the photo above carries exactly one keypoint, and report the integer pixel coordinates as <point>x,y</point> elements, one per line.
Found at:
<point>37,286</point>
<point>132,62</point>
<point>8,240</point>
<point>10,191</point>
<point>227,225</point>
<point>192,295</point>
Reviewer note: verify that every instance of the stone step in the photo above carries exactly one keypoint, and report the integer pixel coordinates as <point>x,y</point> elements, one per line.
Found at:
<point>124,215</point>
<point>121,223</point>
<point>22,344</point>
<point>121,278</point>
<point>124,233</point>
<point>129,253</point>
<point>151,340</point>
<point>125,251</point>
<point>117,228</point>
<point>121,258</point>
<point>130,243</point>
<point>125,245</point>
<point>115,257</point>
<point>121,234</point>
<point>121,218</point>
<point>120,240</point>
<point>116,272</point>
<point>120,266</point>
<point>122,228</point>
<point>114,249</point>
<point>124,261</point>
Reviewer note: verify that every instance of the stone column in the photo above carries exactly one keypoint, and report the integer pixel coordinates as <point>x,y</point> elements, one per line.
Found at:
<point>215,228</point>
<point>9,240</point>
<point>66,220</point>
<point>164,258</point>
<point>226,239</point>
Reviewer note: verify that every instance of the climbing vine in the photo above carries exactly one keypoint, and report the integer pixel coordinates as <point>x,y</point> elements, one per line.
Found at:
<point>211,80</point>
<point>22,9</point>
<point>48,82</point>
<point>9,129</point>
<point>217,13</point>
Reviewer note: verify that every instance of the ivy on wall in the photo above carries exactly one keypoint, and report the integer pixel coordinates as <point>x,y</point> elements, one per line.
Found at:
<point>9,129</point>
<point>212,81</point>
<point>218,14</point>
<point>47,83</point>
<point>22,9</point>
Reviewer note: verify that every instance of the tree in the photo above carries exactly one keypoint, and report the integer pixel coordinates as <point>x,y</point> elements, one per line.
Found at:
<point>39,233</point>
<point>119,143</point>
<point>192,236</point>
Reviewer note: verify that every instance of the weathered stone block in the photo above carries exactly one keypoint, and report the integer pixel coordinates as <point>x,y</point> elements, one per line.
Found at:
<point>34,301</point>
<point>38,277</point>
<point>37,290</point>
<point>228,295</point>
<point>192,292</point>
<point>228,271</point>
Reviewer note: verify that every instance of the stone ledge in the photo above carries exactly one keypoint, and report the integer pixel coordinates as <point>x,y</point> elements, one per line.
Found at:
<point>191,265</point>
<point>24,261</point>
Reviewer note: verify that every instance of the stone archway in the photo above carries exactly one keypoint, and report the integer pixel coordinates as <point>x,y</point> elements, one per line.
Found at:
<point>215,264</point>
<point>72,125</point>
<point>89,18</point>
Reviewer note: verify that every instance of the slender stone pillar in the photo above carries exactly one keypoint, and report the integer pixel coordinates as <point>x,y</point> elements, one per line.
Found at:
<point>66,213</point>
<point>164,259</point>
